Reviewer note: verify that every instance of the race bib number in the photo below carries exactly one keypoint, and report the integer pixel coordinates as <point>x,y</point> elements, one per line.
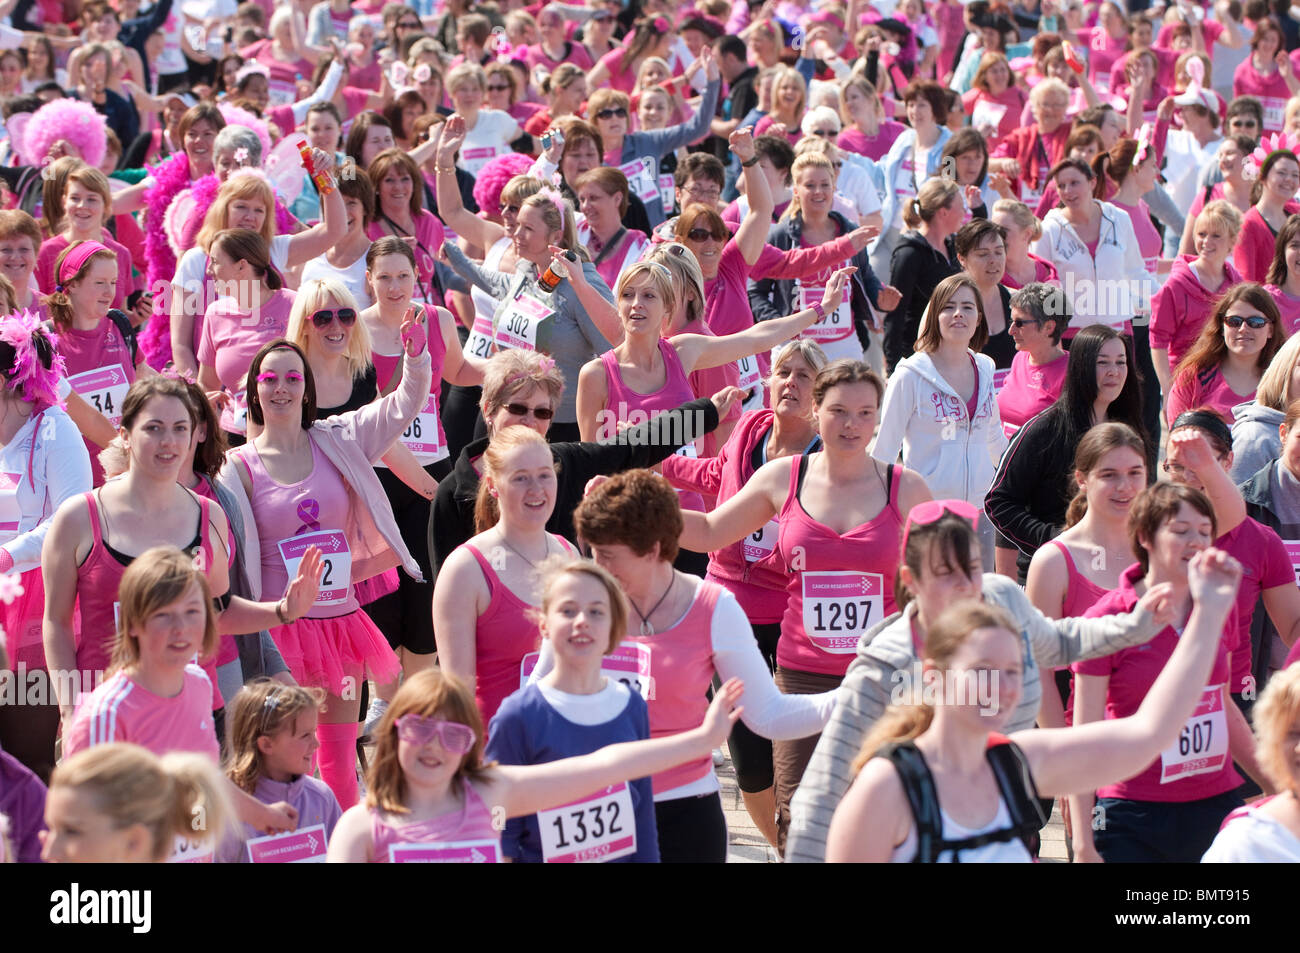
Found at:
<point>336,579</point>
<point>304,846</point>
<point>595,829</point>
<point>751,375</point>
<point>1202,745</point>
<point>836,326</point>
<point>759,545</point>
<point>1293,552</point>
<point>667,191</point>
<point>1274,112</point>
<point>185,851</point>
<point>1030,195</point>
<point>10,514</point>
<point>642,178</point>
<point>281,92</point>
<point>839,606</point>
<point>629,664</point>
<point>104,389</point>
<point>421,435</point>
<point>1000,378</point>
<point>517,327</point>
<point>452,852</point>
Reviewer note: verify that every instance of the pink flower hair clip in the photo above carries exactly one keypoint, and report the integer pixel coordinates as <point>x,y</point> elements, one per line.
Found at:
<point>1145,143</point>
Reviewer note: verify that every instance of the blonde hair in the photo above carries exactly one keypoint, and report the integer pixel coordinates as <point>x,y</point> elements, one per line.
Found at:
<point>486,512</point>
<point>551,570</point>
<point>245,185</point>
<point>458,75</point>
<point>646,63</point>
<point>1275,713</point>
<point>809,160</point>
<point>810,351</point>
<point>431,693</point>
<point>262,707</point>
<point>935,193</point>
<point>1046,87</point>
<point>157,578</point>
<point>1022,215</point>
<point>943,638</point>
<point>660,277</point>
<point>1224,214</point>
<point>511,371</point>
<point>178,794</point>
<point>862,85</point>
<point>312,297</point>
<point>784,75</point>
<point>53,189</point>
<point>680,260</point>
<point>548,203</point>
<point>1275,383</point>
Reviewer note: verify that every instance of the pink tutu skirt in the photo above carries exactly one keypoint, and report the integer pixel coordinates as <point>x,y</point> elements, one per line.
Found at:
<point>328,653</point>
<point>368,590</point>
<point>22,623</point>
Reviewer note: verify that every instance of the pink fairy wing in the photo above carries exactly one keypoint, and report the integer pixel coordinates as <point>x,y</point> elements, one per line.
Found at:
<point>284,168</point>
<point>178,214</point>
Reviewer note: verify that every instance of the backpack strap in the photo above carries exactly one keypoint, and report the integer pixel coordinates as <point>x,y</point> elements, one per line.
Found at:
<point>1016,784</point>
<point>922,797</point>
<point>124,328</point>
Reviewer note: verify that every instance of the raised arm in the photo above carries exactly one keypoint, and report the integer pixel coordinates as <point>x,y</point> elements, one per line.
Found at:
<point>318,239</point>
<point>757,502</point>
<point>451,208</point>
<point>1189,449</point>
<point>751,237</point>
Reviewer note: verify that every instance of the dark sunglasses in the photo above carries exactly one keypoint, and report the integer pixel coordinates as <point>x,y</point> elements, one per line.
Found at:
<point>497,87</point>
<point>322,319</point>
<point>1255,321</point>
<point>1018,323</point>
<point>523,410</point>
<point>410,25</point>
<point>701,235</point>
<point>613,112</point>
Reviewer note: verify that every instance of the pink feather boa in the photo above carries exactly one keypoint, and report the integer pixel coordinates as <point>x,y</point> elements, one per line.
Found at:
<point>492,178</point>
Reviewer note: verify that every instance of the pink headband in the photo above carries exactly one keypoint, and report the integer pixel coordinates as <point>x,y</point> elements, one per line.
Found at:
<point>75,258</point>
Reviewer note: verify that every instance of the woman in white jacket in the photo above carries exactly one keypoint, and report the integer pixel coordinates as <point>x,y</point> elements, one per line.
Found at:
<point>940,409</point>
<point>1095,251</point>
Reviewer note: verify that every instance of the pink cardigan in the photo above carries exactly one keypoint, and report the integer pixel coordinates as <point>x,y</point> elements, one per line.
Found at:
<point>353,442</point>
<point>1253,253</point>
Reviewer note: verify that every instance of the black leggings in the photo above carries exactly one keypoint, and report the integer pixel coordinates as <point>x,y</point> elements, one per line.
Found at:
<point>751,754</point>
<point>692,830</point>
<point>406,615</point>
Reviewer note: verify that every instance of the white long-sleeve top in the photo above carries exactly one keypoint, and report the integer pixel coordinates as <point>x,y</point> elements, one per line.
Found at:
<point>59,469</point>
<point>767,712</point>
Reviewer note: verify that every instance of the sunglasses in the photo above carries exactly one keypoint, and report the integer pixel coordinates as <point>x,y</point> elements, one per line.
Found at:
<point>825,133</point>
<point>935,510</point>
<point>701,235</point>
<point>613,112</point>
<point>410,25</point>
<point>1024,323</point>
<point>523,410</point>
<point>497,87</point>
<point>1255,321</point>
<point>322,319</point>
<point>420,730</point>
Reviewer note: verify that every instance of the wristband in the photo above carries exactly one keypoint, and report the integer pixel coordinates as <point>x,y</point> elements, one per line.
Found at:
<point>751,163</point>
<point>280,612</point>
<point>821,312</point>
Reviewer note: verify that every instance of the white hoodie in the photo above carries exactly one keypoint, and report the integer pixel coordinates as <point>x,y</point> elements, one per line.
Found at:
<point>925,418</point>
<point>59,466</point>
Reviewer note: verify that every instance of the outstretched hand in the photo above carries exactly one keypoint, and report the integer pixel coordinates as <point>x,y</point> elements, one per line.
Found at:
<point>727,398</point>
<point>414,336</point>
<point>304,587</point>
<point>836,287</point>
<point>888,298</point>
<point>723,712</point>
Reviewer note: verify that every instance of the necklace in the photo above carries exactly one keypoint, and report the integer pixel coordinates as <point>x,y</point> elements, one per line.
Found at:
<point>646,628</point>
<point>531,564</point>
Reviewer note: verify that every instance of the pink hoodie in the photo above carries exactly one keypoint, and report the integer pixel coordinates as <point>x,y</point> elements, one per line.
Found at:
<point>1180,309</point>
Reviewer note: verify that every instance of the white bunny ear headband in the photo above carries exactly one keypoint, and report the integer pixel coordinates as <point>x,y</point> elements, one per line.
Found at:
<point>1196,94</point>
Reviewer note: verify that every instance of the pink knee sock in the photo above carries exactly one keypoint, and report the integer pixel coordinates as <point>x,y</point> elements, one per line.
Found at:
<point>338,760</point>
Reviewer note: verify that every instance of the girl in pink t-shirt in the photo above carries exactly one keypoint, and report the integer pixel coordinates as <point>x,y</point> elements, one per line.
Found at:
<point>618,69</point>
<point>865,131</point>
<point>1267,74</point>
<point>431,799</point>
<point>1171,810</point>
<point>1284,275</point>
<point>1225,364</point>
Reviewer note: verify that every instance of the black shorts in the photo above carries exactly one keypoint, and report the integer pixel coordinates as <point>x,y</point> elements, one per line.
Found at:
<point>406,616</point>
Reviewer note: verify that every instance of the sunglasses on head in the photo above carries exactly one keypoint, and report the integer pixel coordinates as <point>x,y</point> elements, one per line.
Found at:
<point>1255,321</point>
<point>701,235</point>
<point>523,410</point>
<point>934,510</point>
<point>612,112</point>
<point>420,730</point>
<point>322,319</point>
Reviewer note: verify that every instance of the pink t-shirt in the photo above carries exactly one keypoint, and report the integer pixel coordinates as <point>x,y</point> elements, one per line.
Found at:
<point>766,123</point>
<point>726,302</point>
<point>1289,306</point>
<point>52,248</point>
<point>873,147</point>
<point>282,82</point>
<point>1132,672</point>
<point>1103,51</point>
<point>1012,100</point>
<point>574,53</point>
<point>1043,271</point>
<point>622,80</point>
<point>231,340</point>
<point>1029,389</point>
<point>122,710</point>
<point>101,350</point>
<point>1149,241</point>
<point>1166,60</point>
<point>1266,565</point>
<point>1271,90</point>
<point>1206,389</point>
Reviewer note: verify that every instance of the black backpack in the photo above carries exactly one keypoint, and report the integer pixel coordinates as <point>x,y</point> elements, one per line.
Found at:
<point>123,325</point>
<point>1015,784</point>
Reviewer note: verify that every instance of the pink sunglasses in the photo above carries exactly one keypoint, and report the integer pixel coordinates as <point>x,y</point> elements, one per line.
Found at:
<point>421,729</point>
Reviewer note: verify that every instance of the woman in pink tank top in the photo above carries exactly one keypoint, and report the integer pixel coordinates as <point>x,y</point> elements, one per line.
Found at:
<point>841,516</point>
<point>486,593</point>
<point>431,799</point>
<point>94,537</point>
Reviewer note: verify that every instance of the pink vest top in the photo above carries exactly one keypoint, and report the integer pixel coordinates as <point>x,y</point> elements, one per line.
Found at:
<point>472,822</point>
<point>623,400</point>
<point>318,503</point>
<point>387,365</point>
<point>503,635</point>
<point>95,360</point>
<point>98,580</point>
<point>681,664</point>
<point>849,580</point>
<point>1081,593</point>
